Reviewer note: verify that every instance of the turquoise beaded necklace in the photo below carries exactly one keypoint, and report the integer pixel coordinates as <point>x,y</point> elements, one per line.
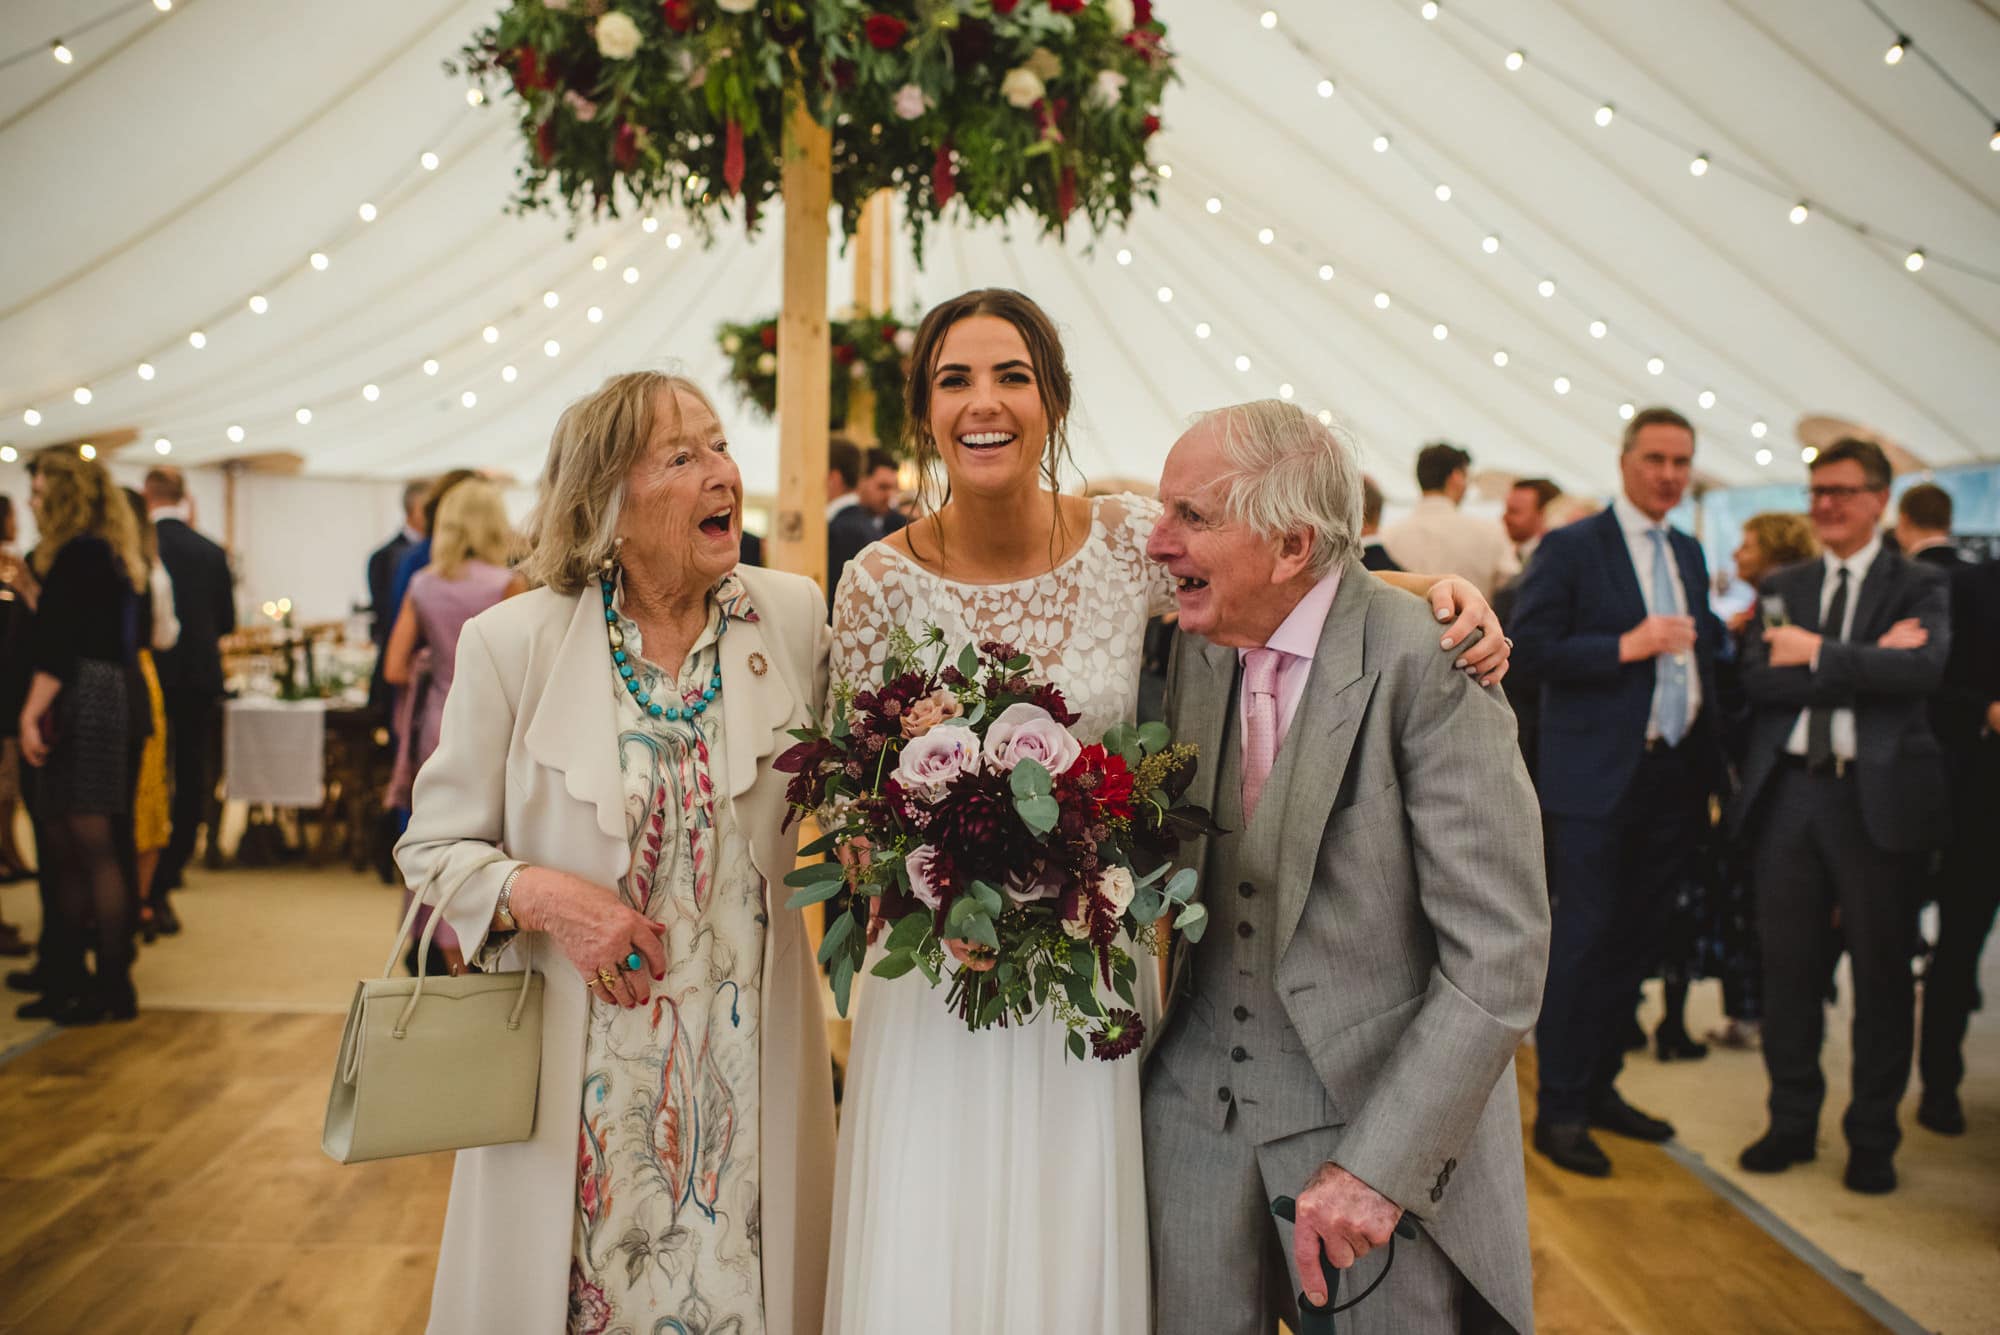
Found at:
<point>687,709</point>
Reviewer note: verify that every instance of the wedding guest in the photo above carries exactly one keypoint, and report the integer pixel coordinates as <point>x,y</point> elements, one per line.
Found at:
<point>601,807</point>
<point>1435,535</point>
<point>1613,615</point>
<point>419,554</point>
<point>1844,793</point>
<point>1526,517</point>
<point>1923,527</point>
<point>872,516</point>
<point>1374,556</point>
<point>158,630</point>
<point>1345,1031</point>
<point>78,726</point>
<point>190,675</point>
<point>382,562</point>
<point>14,672</point>
<point>1968,891</point>
<point>471,548</point>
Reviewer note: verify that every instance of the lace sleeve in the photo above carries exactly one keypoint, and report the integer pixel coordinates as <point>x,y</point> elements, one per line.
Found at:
<point>1129,520</point>
<point>860,625</point>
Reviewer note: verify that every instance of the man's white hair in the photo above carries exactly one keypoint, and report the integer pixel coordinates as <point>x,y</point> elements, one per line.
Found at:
<point>1287,471</point>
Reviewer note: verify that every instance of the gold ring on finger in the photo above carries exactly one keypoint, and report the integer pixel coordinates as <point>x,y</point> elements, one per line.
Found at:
<point>607,978</point>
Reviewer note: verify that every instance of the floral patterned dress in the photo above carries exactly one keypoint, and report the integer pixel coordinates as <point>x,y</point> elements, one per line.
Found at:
<point>667,1239</point>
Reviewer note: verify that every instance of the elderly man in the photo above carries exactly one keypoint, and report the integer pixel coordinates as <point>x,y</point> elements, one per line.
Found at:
<point>1345,1031</point>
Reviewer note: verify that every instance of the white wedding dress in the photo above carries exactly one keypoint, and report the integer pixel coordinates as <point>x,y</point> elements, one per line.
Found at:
<point>988,1182</point>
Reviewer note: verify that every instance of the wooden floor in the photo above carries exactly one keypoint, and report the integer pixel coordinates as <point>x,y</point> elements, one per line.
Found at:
<point>165,1175</point>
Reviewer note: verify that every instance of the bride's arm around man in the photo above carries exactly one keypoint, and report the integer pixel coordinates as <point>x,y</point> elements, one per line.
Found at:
<point>1345,1032</point>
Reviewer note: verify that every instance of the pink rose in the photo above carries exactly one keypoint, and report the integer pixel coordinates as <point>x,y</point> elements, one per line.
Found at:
<point>583,107</point>
<point>921,864</point>
<point>930,710</point>
<point>933,760</point>
<point>1029,732</point>
<point>910,102</point>
<point>1041,882</point>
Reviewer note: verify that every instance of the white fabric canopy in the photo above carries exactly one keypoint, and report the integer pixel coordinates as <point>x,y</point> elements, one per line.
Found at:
<point>188,161</point>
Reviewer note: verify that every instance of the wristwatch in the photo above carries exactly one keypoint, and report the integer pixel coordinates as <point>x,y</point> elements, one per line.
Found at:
<point>503,913</point>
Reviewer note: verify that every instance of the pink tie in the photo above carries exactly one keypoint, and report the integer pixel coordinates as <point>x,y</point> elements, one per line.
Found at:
<point>1260,733</point>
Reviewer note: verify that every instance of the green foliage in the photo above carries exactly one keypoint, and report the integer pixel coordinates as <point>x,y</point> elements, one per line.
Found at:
<point>864,349</point>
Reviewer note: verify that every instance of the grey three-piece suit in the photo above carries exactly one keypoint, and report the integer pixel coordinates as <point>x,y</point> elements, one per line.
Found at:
<point>1376,948</point>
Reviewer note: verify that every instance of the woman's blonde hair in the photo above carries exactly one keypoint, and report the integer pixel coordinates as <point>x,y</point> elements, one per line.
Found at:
<point>1784,539</point>
<point>574,526</point>
<point>78,499</point>
<point>472,526</point>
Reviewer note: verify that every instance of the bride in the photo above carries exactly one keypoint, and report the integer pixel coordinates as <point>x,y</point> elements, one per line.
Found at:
<point>986,1182</point>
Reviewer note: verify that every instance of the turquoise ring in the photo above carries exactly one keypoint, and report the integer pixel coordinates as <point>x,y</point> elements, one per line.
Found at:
<point>634,962</point>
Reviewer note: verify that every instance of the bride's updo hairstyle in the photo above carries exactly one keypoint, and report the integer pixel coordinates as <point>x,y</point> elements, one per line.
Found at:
<point>1051,383</point>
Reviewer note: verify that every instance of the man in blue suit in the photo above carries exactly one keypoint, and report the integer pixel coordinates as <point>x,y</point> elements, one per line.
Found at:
<point>1613,617</point>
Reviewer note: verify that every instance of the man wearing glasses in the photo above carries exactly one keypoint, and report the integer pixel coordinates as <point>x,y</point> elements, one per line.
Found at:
<point>1844,791</point>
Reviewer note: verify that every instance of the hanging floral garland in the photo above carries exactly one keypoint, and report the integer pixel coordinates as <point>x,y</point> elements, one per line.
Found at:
<point>872,349</point>
<point>1041,105</point>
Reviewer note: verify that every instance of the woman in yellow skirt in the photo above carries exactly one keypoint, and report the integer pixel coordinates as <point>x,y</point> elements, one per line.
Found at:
<point>151,824</point>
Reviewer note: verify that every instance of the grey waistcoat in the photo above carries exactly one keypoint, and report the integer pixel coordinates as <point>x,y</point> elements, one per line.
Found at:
<point>1230,1046</point>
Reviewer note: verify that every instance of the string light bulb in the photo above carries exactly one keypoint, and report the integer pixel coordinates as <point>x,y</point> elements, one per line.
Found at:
<point>1699,167</point>
<point>1759,430</point>
<point>1500,357</point>
<point>1285,391</point>
<point>163,446</point>
<point>31,417</point>
<point>430,366</point>
<point>551,348</point>
<point>509,374</point>
<point>1491,245</point>
<point>1202,330</point>
<point>87,450</point>
<point>1808,454</point>
<point>598,262</point>
<point>595,315</point>
<point>551,300</point>
<point>429,161</point>
<point>303,416</point>
<point>1325,417</point>
<point>1326,273</point>
<point>1914,261</point>
<point>1165,294</point>
<point>318,260</point>
<point>146,371</point>
<point>1516,59</point>
<point>259,304</point>
<point>1897,49</point>
<point>1763,458</point>
<point>490,333</point>
<point>1381,301</point>
<point>62,53</point>
<point>235,434</point>
<point>1326,90</point>
<point>1604,115</point>
<point>367,212</point>
<point>8,454</point>
<point>674,238</point>
<point>1598,329</point>
<point>1214,204</point>
<point>1429,11</point>
<point>1268,19</point>
<point>1440,332</point>
<point>1800,213</point>
<point>1561,385</point>
<point>1626,412</point>
<point>649,224</point>
<point>197,340</point>
<point>469,399</point>
<point>1124,257</point>
<point>1706,398</point>
<point>1655,366</point>
<point>1265,236</point>
<point>474,98</point>
<point>81,394</point>
<point>1994,142</point>
<point>1443,193</point>
<point>1547,287</point>
<point>164,6</point>
<point>371,392</point>
<point>1381,144</point>
<point>1242,362</point>
<point>631,275</point>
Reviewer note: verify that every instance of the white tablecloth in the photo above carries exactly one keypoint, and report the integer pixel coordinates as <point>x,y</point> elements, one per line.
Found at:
<point>275,751</point>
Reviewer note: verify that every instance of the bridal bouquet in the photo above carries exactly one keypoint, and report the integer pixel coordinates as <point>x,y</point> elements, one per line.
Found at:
<point>961,807</point>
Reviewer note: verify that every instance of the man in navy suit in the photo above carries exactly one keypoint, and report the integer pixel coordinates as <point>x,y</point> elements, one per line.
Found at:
<point>1844,795</point>
<point>1613,617</point>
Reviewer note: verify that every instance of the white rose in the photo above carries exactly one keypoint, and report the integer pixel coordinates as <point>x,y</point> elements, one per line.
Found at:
<point>731,344</point>
<point>767,364</point>
<point>1122,15</point>
<point>1022,87</point>
<point>736,6</point>
<point>1109,90</point>
<point>1115,885</point>
<point>1044,63</point>
<point>910,102</point>
<point>617,36</point>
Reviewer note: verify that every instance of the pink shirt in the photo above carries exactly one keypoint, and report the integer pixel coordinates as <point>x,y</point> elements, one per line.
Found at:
<point>1296,639</point>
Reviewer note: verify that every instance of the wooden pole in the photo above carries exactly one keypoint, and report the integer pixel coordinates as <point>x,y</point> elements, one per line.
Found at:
<point>798,538</point>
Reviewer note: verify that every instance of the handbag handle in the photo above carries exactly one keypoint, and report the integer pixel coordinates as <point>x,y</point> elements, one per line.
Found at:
<point>423,961</point>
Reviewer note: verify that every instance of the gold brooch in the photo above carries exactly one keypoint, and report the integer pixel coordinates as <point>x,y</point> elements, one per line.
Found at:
<point>758,667</point>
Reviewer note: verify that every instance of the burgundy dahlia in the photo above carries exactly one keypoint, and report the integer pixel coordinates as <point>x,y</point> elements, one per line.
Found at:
<point>976,823</point>
<point>1117,1036</point>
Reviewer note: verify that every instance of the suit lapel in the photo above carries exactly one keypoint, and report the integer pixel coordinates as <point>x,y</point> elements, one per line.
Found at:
<point>1618,563</point>
<point>1208,695</point>
<point>575,728</point>
<point>1322,738</point>
<point>756,702</point>
<point>1873,596</point>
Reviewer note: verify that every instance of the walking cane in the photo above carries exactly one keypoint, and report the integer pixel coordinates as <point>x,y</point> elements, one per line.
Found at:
<point>1317,1319</point>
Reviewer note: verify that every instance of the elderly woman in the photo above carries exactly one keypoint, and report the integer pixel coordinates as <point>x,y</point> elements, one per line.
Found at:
<point>601,809</point>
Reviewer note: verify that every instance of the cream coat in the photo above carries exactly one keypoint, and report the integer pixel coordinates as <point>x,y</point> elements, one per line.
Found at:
<point>527,771</point>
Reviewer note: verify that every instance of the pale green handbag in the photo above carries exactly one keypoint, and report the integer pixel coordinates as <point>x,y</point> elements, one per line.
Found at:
<point>465,1071</point>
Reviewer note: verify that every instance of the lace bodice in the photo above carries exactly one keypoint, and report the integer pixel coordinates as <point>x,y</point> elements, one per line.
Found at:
<point>1083,623</point>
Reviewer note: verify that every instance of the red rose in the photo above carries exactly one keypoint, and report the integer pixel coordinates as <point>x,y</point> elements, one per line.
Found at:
<point>545,142</point>
<point>528,71</point>
<point>678,14</point>
<point>732,158</point>
<point>768,336</point>
<point>1142,13</point>
<point>1004,6</point>
<point>943,183</point>
<point>1149,127</point>
<point>885,32</point>
<point>1066,193</point>
<point>844,353</point>
<point>625,146</point>
<point>1066,6</point>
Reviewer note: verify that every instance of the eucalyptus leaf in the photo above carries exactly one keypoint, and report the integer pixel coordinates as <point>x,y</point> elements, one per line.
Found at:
<point>1076,1048</point>
<point>1154,736</point>
<point>1019,663</point>
<point>968,662</point>
<point>895,965</point>
<point>1182,885</point>
<point>843,982</point>
<point>909,932</point>
<point>1082,995</point>
<point>1123,986</point>
<point>837,933</point>
<point>1029,779</point>
<point>817,893</point>
<point>815,872</point>
<point>989,899</point>
<point>1193,921</point>
<point>1146,905</point>
<point>980,929</point>
<point>826,843</point>
<point>1039,814</point>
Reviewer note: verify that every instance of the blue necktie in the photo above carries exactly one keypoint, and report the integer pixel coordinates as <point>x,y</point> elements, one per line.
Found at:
<point>1670,679</point>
